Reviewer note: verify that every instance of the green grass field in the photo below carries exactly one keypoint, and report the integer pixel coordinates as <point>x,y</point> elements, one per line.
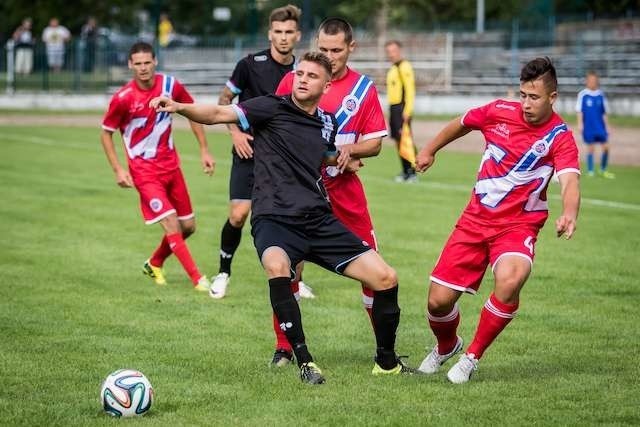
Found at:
<point>74,305</point>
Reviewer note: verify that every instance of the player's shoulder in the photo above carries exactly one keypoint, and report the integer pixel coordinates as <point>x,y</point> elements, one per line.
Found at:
<point>258,58</point>
<point>124,91</point>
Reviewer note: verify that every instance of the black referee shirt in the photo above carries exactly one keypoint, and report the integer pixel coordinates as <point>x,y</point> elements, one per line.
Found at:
<point>289,148</point>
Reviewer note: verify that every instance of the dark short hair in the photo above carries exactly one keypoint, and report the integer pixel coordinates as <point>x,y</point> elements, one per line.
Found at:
<point>333,26</point>
<point>141,47</point>
<point>318,58</point>
<point>540,68</point>
<point>390,42</point>
<point>285,13</point>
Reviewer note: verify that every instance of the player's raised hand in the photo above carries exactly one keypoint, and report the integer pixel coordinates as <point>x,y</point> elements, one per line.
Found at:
<point>163,104</point>
<point>565,226</point>
<point>344,157</point>
<point>241,144</point>
<point>123,178</point>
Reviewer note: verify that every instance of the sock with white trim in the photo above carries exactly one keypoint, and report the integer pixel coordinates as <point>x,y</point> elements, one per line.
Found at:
<point>445,329</point>
<point>495,316</point>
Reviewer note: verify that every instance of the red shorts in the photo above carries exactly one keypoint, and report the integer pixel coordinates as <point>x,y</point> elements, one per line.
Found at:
<point>164,194</point>
<point>349,205</point>
<point>470,249</point>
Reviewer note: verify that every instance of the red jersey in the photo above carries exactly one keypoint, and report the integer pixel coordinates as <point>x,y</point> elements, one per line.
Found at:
<point>145,133</point>
<point>353,100</point>
<point>517,164</point>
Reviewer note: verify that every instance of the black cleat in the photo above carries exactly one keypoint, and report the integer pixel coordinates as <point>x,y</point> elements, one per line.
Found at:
<point>281,358</point>
<point>311,374</point>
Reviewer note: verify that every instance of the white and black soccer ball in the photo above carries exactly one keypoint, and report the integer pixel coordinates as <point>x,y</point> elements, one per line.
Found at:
<point>126,393</point>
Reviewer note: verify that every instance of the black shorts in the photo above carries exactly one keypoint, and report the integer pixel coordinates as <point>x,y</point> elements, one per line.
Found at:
<point>241,178</point>
<point>322,240</point>
<point>395,120</point>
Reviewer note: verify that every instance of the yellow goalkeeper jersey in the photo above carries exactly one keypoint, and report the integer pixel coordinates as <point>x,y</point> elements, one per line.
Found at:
<point>401,86</point>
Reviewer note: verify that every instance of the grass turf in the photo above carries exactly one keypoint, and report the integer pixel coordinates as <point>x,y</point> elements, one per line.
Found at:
<point>74,305</point>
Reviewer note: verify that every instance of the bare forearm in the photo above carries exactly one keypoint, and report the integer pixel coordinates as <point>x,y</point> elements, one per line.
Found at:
<point>368,148</point>
<point>204,113</point>
<point>109,149</point>
<point>571,197</point>
<point>452,131</point>
<point>225,98</point>
<point>198,131</point>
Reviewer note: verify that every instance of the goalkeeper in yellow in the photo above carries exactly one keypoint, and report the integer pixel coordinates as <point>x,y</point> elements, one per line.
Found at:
<point>401,95</point>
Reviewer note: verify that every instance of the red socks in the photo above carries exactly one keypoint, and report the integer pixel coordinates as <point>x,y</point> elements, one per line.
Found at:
<point>181,251</point>
<point>444,328</point>
<point>495,316</point>
<point>161,253</point>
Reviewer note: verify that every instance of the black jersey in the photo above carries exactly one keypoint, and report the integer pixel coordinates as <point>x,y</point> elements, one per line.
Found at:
<point>257,74</point>
<point>289,148</point>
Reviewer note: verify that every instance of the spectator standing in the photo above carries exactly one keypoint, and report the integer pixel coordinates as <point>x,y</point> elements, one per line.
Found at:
<point>23,39</point>
<point>55,36</point>
<point>89,35</point>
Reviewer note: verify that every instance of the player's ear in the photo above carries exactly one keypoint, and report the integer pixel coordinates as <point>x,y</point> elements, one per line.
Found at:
<point>298,35</point>
<point>352,46</point>
<point>130,65</point>
<point>552,97</point>
<point>327,85</point>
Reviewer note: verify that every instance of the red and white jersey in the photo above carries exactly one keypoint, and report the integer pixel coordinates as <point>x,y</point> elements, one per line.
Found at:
<point>517,164</point>
<point>145,133</point>
<point>353,100</point>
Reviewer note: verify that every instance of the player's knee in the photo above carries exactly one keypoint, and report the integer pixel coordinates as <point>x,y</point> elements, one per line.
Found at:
<point>188,229</point>
<point>276,263</point>
<point>388,278</point>
<point>238,217</point>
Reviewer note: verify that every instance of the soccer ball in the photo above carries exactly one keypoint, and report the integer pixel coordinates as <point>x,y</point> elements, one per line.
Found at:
<point>126,393</point>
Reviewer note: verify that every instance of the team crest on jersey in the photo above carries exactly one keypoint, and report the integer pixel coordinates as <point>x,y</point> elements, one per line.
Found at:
<point>501,129</point>
<point>260,58</point>
<point>351,104</point>
<point>155,205</point>
<point>540,148</point>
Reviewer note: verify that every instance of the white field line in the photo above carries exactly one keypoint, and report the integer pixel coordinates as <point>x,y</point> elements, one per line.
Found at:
<point>378,180</point>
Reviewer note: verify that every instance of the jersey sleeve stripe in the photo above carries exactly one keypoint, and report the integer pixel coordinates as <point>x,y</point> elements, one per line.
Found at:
<point>568,170</point>
<point>242,117</point>
<point>372,135</point>
<point>109,128</point>
<point>233,88</point>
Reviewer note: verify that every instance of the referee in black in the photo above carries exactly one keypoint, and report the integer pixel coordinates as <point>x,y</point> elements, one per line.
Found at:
<point>255,75</point>
<point>292,219</point>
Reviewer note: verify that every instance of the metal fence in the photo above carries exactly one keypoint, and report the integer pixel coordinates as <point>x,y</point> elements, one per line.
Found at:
<point>448,63</point>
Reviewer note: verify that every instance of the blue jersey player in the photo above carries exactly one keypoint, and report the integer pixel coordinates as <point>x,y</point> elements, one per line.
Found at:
<point>592,111</point>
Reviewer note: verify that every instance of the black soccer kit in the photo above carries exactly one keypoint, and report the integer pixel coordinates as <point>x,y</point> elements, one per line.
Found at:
<point>290,208</point>
<point>255,75</point>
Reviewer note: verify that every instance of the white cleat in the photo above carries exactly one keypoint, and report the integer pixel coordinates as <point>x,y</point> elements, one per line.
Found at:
<point>434,360</point>
<point>219,286</point>
<point>304,290</point>
<point>461,372</point>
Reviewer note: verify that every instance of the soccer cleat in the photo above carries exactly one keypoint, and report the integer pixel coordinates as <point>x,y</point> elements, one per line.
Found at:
<point>202,285</point>
<point>311,374</point>
<point>608,175</point>
<point>591,174</point>
<point>399,369</point>
<point>461,372</point>
<point>155,273</point>
<point>411,179</point>
<point>305,290</point>
<point>434,360</point>
<point>219,286</point>
<point>281,358</point>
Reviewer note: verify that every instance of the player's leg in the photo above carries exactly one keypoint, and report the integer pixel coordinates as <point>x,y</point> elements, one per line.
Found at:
<point>278,246</point>
<point>371,270</point>
<point>604,160</point>
<point>511,259</point>
<point>240,187</point>
<point>460,269</point>
<point>395,129</point>
<point>590,157</point>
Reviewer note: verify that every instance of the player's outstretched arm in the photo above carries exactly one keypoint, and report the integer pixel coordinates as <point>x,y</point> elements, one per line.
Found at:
<point>570,190</point>
<point>452,131</point>
<point>201,113</point>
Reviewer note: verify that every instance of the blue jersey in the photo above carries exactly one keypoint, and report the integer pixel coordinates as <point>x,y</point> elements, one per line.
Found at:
<point>593,106</point>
